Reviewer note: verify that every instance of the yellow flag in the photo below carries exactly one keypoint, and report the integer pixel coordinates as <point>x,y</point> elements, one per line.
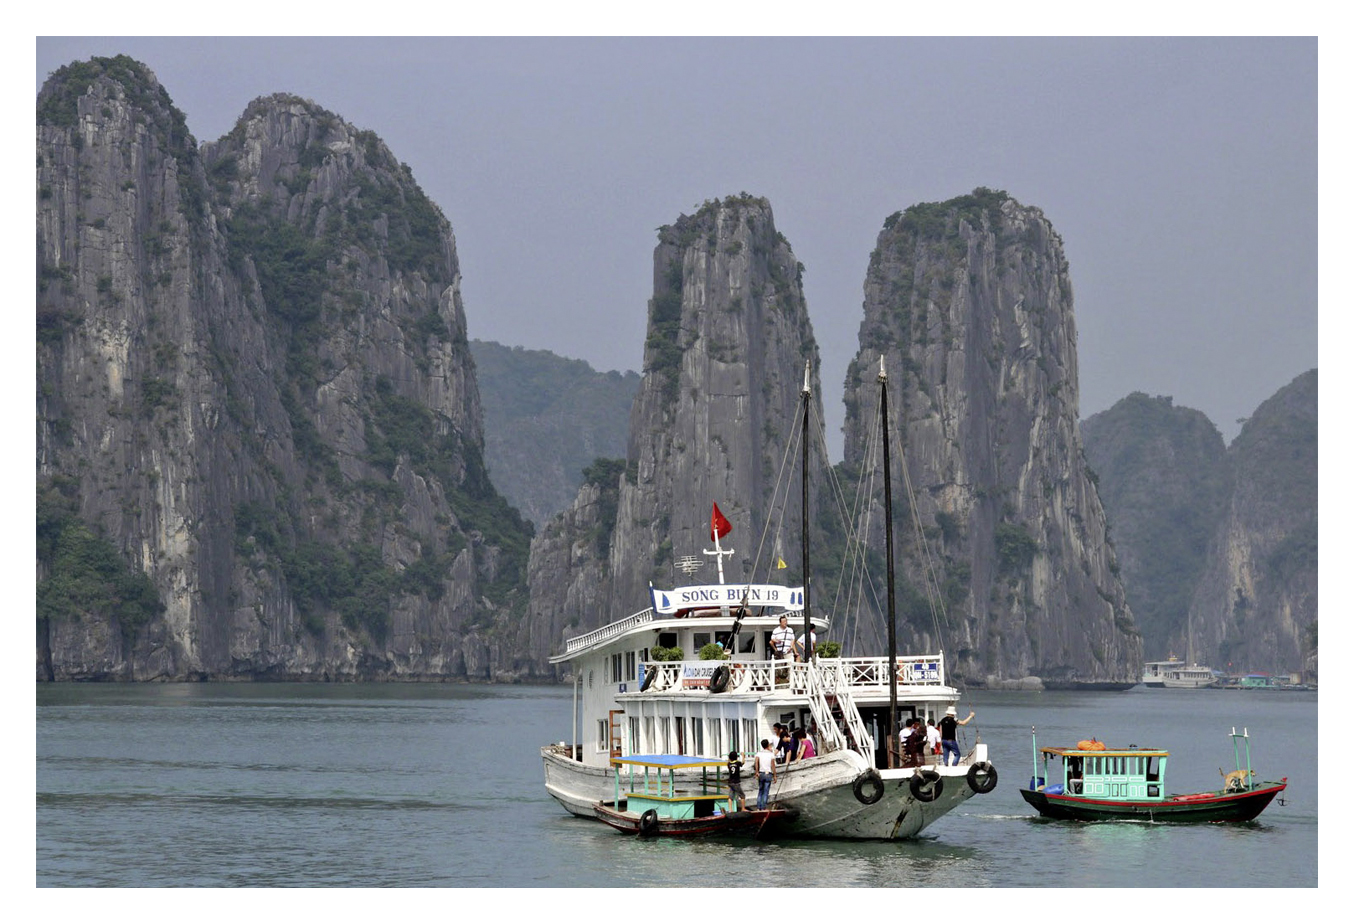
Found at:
<point>780,564</point>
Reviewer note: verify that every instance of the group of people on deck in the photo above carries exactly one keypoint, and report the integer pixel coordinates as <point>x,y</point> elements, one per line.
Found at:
<point>919,737</point>
<point>794,745</point>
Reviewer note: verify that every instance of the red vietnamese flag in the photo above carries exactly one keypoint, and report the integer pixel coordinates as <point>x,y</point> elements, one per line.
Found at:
<point>718,524</point>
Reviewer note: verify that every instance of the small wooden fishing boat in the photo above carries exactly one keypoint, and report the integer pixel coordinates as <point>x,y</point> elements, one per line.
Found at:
<point>663,802</point>
<point>1093,782</point>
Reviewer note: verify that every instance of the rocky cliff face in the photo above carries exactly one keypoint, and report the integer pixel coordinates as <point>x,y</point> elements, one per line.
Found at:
<point>1162,475</point>
<point>1256,602</point>
<point>254,381</point>
<point>728,340</point>
<point>969,303</point>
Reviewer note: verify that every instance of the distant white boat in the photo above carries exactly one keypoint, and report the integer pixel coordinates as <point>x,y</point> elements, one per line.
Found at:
<point>1190,676</point>
<point>1153,673</point>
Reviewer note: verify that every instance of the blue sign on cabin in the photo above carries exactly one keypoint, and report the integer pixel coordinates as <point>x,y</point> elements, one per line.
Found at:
<point>925,671</point>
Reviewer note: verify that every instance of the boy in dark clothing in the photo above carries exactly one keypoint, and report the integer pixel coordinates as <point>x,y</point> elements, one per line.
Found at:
<point>735,794</point>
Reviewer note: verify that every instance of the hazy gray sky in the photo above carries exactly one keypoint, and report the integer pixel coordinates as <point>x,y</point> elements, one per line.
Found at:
<point>1181,175</point>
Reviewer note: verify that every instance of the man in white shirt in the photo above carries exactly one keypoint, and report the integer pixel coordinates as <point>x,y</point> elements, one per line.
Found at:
<point>904,735</point>
<point>932,738</point>
<point>782,639</point>
<point>765,773</point>
<point>812,646</point>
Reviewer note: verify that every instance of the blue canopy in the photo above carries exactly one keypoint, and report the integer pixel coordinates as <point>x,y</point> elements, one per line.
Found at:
<point>668,761</point>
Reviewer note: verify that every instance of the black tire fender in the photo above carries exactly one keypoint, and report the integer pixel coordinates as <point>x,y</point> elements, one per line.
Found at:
<point>868,779</point>
<point>718,682</point>
<point>648,823</point>
<point>982,777</point>
<point>926,786</point>
<point>650,675</point>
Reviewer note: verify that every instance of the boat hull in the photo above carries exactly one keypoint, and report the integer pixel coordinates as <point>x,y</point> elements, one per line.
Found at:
<point>574,785</point>
<point>819,791</point>
<point>747,822</point>
<point>1194,807</point>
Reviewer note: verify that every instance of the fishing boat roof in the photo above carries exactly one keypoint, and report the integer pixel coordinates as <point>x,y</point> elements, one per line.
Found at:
<point>1062,751</point>
<point>668,761</point>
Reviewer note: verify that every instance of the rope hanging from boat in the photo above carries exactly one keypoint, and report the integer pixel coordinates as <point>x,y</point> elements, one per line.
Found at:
<point>938,615</point>
<point>854,575</point>
<point>777,504</point>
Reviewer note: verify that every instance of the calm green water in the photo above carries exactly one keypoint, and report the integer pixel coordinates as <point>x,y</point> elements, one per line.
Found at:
<point>412,785</point>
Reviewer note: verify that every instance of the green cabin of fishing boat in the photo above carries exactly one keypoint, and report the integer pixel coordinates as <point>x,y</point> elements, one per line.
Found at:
<point>1129,775</point>
<point>656,787</point>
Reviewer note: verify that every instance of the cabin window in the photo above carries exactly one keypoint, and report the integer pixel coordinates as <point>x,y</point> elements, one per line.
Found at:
<point>716,738</point>
<point>667,640</point>
<point>701,640</point>
<point>681,735</point>
<point>749,735</point>
<point>634,735</point>
<point>650,745</point>
<point>747,642</point>
<point>629,665</point>
<point>1153,768</point>
<point>734,742</point>
<point>697,736</point>
<point>603,736</point>
<point>589,677</point>
<point>665,734</point>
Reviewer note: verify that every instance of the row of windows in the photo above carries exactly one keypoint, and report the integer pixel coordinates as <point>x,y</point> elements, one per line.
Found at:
<point>705,737</point>
<point>624,667</point>
<point>1125,765</point>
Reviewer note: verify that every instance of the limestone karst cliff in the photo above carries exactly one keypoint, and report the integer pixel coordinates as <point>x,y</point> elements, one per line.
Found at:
<point>1163,476</point>
<point>254,382</point>
<point>969,302</point>
<point>1256,603</point>
<point>728,340</point>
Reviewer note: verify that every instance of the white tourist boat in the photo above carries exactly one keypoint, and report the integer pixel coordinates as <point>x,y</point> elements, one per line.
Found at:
<point>1190,676</point>
<point>627,703</point>
<point>1153,673</point>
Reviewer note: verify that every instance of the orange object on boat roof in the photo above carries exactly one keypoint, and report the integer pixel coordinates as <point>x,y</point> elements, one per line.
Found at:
<point>1090,745</point>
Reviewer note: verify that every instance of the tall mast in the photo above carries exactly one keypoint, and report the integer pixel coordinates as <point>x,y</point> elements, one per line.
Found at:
<point>888,542</point>
<point>807,579</point>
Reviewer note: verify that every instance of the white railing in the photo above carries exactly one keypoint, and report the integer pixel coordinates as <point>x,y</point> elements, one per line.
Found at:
<point>872,672</point>
<point>864,742</point>
<point>610,631</point>
<point>837,677</point>
<point>829,734</point>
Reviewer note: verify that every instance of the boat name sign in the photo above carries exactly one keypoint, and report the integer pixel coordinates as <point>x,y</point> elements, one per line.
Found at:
<point>669,602</point>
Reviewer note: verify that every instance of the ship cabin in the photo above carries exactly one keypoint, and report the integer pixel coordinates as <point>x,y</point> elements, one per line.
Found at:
<point>1122,774</point>
<point>632,697</point>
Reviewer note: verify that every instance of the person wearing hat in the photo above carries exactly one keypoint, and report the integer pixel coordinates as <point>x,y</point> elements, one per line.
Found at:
<point>949,733</point>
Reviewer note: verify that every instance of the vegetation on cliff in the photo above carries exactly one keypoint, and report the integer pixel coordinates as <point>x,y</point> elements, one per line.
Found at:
<point>546,418</point>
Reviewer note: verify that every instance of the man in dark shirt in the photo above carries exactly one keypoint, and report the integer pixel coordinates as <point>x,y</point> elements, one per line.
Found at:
<point>949,733</point>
